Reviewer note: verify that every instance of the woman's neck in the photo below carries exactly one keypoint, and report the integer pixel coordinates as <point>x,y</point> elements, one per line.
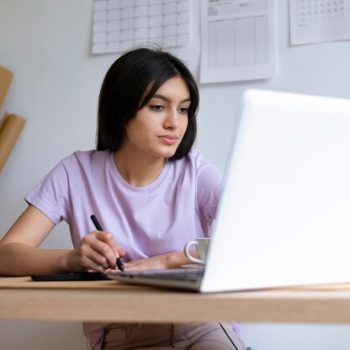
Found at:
<point>138,171</point>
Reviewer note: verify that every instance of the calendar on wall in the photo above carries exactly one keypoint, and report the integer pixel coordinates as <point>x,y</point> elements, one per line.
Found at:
<point>118,25</point>
<point>238,40</point>
<point>314,21</point>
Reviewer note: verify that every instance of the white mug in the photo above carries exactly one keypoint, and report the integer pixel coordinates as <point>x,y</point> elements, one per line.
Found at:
<point>201,245</point>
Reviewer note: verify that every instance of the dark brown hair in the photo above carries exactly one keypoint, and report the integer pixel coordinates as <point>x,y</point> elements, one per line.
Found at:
<point>124,92</point>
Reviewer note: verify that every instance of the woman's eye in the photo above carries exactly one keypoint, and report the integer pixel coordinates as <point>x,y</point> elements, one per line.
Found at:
<point>183,110</point>
<point>157,108</point>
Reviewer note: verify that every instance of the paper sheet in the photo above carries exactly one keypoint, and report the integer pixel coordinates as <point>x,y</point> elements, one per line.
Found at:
<point>118,25</point>
<point>237,40</point>
<point>314,21</point>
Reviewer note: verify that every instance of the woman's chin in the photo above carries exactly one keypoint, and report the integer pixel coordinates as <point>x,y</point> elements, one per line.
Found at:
<point>168,152</point>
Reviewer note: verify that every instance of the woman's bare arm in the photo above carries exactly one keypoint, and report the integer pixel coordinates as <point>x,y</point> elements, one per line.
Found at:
<point>165,261</point>
<point>20,254</point>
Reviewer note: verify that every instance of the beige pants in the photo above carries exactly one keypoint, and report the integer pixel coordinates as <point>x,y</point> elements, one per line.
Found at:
<point>203,336</point>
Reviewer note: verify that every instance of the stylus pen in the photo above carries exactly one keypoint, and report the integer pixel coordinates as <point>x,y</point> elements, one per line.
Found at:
<point>98,226</point>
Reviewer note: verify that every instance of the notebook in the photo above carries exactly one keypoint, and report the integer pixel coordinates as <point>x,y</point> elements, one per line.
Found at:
<point>284,213</point>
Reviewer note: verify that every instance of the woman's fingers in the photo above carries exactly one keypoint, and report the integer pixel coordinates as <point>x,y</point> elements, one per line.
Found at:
<point>109,240</point>
<point>84,258</point>
<point>98,251</point>
<point>104,246</point>
<point>95,266</point>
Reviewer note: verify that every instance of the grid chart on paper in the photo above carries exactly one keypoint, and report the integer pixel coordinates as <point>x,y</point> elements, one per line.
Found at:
<point>314,10</point>
<point>120,24</point>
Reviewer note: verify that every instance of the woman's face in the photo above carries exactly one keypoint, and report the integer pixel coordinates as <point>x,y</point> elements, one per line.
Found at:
<point>160,125</point>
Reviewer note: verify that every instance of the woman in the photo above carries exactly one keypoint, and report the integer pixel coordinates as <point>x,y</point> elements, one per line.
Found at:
<point>151,192</point>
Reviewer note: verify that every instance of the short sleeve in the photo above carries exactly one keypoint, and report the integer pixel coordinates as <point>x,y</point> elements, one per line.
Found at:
<point>51,195</point>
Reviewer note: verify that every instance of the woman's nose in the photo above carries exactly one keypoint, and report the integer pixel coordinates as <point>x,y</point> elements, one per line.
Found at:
<point>171,120</point>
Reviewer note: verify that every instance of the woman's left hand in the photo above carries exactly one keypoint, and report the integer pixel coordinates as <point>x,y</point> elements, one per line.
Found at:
<point>165,261</point>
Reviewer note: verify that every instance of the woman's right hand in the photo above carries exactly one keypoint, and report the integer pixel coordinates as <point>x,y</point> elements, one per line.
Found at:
<point>96,251</point>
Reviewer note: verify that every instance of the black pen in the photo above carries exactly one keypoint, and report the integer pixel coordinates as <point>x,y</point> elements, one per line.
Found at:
<point>98,226</point>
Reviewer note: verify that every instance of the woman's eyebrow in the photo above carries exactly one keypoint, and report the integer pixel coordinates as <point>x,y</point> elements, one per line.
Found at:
<point>167,99</point>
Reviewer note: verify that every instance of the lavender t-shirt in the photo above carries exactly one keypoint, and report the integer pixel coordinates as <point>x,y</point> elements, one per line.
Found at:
<point>145,221</point>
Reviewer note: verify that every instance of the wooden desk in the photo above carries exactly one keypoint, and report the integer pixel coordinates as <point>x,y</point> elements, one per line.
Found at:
<point>22,299</point>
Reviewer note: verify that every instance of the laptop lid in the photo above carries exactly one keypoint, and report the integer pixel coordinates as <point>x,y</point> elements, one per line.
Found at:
<point>284,215</point>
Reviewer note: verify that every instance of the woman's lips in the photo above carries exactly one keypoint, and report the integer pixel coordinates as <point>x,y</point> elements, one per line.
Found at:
<point>168,140</point>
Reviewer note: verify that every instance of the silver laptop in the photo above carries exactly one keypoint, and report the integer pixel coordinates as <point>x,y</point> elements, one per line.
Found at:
<point>284,214</point>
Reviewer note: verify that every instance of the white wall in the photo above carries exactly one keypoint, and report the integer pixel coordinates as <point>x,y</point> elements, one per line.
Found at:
<point>56,84</point>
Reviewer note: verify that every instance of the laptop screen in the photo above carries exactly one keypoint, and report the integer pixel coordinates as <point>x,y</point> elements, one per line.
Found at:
<point>284,215</point>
